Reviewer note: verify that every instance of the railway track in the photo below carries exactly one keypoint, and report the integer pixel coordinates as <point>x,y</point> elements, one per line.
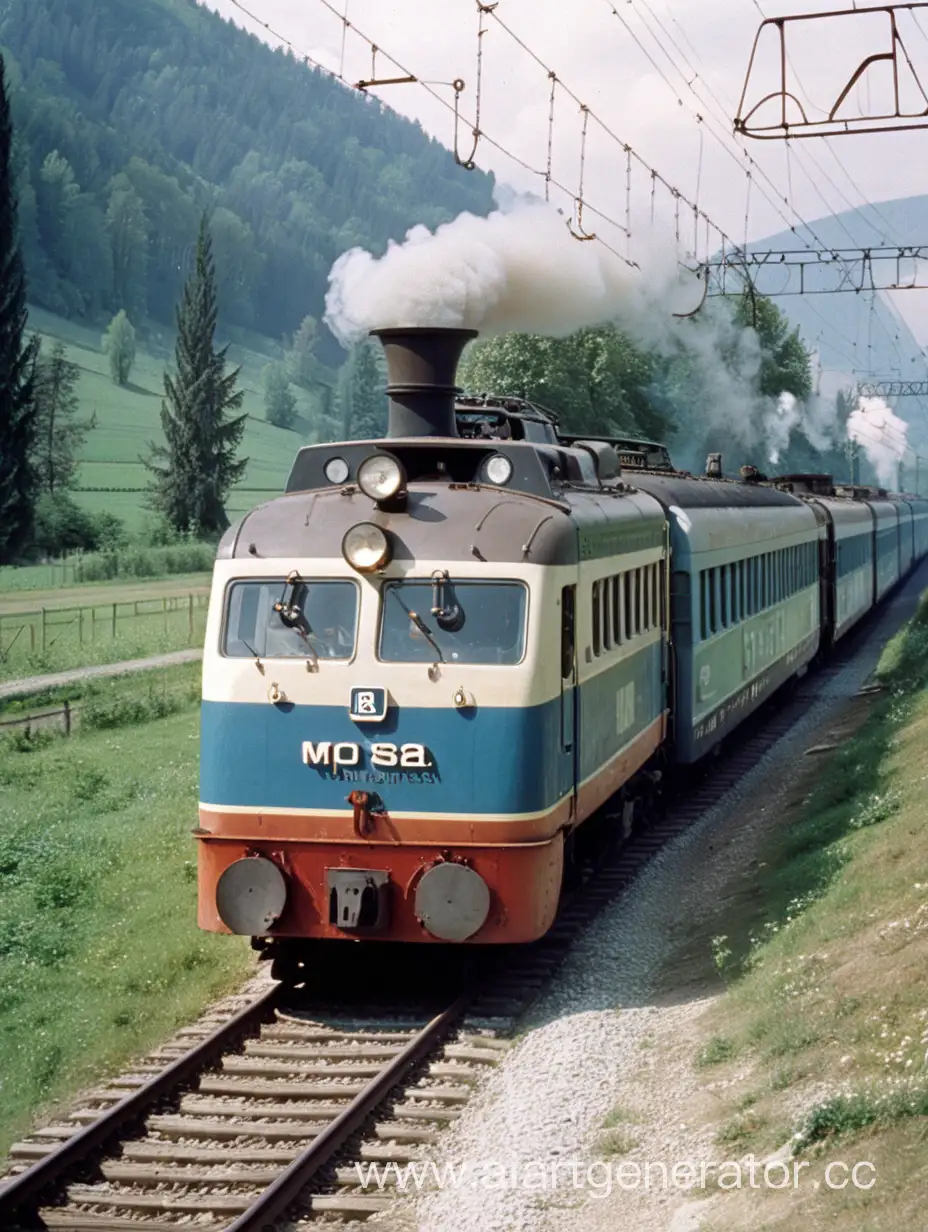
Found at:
<point>273,1107</point>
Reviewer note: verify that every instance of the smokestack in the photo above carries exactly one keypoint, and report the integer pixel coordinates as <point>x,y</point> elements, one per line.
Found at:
<point>421,368</point>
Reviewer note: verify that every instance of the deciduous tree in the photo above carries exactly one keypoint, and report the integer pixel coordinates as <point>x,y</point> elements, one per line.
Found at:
<point>301,357</point>
<point>119,345</point>
<point>279,402</point>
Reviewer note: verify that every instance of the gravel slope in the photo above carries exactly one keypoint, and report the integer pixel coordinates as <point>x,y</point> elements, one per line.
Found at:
<point>602,1036</point>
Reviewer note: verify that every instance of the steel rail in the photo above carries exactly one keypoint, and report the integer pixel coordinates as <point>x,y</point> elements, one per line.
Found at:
<point>17,1192</point>
<point>280,1193</point>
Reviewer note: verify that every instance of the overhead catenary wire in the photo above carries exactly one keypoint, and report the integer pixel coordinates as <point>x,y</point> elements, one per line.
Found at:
<point>722,109</point>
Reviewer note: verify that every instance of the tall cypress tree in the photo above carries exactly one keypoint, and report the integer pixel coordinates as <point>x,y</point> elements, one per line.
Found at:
<point>18,489</point>
<point>194,470</point>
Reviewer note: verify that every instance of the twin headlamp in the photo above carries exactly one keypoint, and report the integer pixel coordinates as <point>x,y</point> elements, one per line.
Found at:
<point>366,547</point>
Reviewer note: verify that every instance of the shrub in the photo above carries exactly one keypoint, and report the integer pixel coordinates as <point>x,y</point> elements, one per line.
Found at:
<point>62,526</point>
<point>845,1114</point>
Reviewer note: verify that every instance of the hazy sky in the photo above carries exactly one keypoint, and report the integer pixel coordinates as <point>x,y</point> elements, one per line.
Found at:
<point>647,80</point>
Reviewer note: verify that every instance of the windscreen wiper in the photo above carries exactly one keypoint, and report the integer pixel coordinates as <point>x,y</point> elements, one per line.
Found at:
<point>292,616</point>
<point>426,633</point>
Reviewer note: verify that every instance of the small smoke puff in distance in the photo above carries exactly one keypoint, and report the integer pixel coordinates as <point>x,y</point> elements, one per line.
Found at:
<point>518,271</point>
<point>883,436</point>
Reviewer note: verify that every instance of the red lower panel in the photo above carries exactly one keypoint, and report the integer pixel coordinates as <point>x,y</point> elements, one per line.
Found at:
<point>524,881</point>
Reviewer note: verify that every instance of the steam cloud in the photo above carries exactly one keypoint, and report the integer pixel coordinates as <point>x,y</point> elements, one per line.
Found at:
<point>519,271</point>
<point>882,435</point>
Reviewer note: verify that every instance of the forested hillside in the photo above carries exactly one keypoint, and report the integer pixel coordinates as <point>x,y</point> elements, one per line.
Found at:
<point>132,116</point>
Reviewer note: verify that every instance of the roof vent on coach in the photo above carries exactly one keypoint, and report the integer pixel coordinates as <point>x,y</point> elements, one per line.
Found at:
<point>806,484</point>
<point>714,466</point>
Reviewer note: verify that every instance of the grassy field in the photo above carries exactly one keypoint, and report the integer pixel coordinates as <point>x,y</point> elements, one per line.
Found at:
<point>111,476</point>
<point>100,957</point>
<point>35,642</point>
<point>821,1038</point>
<point>128,589</point>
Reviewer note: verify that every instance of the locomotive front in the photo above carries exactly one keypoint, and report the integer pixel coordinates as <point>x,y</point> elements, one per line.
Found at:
<point>382,751</point>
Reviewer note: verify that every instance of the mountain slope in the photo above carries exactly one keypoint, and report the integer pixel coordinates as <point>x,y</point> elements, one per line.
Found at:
<point>858,334</point>
<point>135,115</point>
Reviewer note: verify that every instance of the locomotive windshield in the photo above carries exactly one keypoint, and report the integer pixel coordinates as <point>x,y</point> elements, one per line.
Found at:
<point>490,629</point>
<point>323,627</point>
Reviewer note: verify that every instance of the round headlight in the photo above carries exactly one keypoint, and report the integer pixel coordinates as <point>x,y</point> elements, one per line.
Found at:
<point>336,470</point>
<point>499,469</point>
<point>380,477</point>
<point>366,547</point>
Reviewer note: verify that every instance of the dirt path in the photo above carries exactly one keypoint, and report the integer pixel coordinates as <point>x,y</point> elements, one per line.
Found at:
<point>38,684</point>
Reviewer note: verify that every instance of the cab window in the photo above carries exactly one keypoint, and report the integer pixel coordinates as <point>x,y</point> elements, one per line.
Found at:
<point>320,620</point>
<point>488,623</point>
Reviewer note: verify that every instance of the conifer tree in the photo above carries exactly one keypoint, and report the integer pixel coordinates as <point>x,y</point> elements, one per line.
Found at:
<point>365,404</point>
<point>17,364</point>
<point>59,434</point>
<point>195,468</point>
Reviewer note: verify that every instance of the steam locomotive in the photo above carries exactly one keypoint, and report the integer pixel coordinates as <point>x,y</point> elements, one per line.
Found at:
<point>437,656</point>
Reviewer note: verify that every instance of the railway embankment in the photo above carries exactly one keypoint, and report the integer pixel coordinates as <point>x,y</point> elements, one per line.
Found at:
<point>816,1055</point>
<point>756,999</point>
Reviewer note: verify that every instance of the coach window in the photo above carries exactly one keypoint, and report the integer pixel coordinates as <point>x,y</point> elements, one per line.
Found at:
<point>617,634</point>
<point>723,597</point>
<point>597,613</point>
<point>627,605</point>
<point>646,598</point>
<point>656,595</point>
<point>606,587</point>
<point>703,606</point>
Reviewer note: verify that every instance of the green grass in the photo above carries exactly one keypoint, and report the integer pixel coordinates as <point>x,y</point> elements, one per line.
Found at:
<point>123,694</point>
<point>100,957</point>
<point>89,634</point>
<point>111,477</point>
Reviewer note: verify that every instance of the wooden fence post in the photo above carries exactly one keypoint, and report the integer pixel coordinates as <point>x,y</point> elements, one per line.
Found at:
<point>114,620</point>
<point>67,718</point>
<point>190,614</point>
<point>43,630</point>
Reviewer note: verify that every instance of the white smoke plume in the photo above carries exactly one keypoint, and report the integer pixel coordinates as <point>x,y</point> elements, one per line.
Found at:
<point>518,271</point>
<point>882,435</point>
